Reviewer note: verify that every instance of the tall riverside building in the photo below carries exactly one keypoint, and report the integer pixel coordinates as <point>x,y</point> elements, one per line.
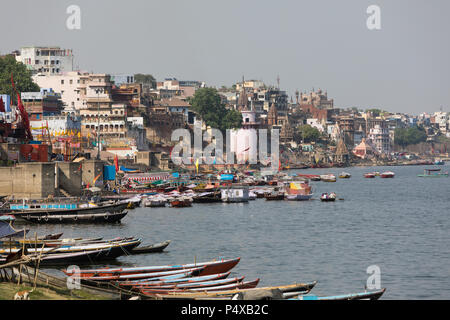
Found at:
<point>47,60</point>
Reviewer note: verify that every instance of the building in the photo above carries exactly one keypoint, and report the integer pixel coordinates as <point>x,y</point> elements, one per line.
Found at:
<point>40,104</point>
<point>317,99</point>
<point>67,84</point>
<point>47,60</point>
<point>244,141</point>
<point>380,139</point>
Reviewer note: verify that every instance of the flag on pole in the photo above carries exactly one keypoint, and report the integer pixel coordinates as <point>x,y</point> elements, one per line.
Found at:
<point>96,178</point>
<point>2,105</point>
<point>116,162</point>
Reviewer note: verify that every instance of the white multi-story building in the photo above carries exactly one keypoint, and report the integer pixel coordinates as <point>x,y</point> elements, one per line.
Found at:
<point>442,120</point>
<point>380,138</point>
<point>47,60</point>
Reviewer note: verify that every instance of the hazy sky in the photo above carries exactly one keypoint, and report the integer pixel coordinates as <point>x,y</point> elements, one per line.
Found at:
<point>324,44</point>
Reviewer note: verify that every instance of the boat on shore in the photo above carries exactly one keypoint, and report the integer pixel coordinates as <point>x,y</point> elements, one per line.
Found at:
<point>207,197</point>
<point>158,247</point>
<point>368,295</point>
<point>180,203</point>
<point>235,194</point>
<point>210,267</point>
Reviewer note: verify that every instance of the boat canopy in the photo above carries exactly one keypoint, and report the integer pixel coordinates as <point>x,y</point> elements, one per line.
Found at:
<point>6,231</point>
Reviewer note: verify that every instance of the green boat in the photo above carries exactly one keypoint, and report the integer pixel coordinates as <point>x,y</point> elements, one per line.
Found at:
<point>433,173</point>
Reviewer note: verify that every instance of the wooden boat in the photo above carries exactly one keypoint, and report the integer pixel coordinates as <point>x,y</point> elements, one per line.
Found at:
<point>433,173</point>
<point>387,174</point>
<point>211,267</point>
<point>171,281</point>
<point>439,162</point>
<point>180,203</point>
<point>328,178</point>
<point>139,276</point>
<point>328,197</point>
<point>235,194</point>
<point>369,295</point>
<point>113,250</point>
<point>274,196</point>
<point>158,247</point>
<point>192,285</point>
<point>369,175</point>
<point>233,286</point>
<point>76,217</point>
<point>298,191</point>
<point>228,294</point>
<point>38,210</point>
<point>344,175</point>
<point>75,257</point>
<point>207,197</point>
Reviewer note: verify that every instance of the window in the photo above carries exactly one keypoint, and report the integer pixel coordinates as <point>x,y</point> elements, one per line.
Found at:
<point>36,62</point>
<point>71,81</point>
<point>62,81</point>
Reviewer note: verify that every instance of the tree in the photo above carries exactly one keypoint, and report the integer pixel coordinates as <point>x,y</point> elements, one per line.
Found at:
<point>207,103</point>
<point>145,79</point>
<point>21,75</point>
<point>307,133</point>
<point>409,136</point>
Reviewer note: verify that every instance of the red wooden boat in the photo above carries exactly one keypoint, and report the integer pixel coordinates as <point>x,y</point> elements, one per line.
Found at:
<point>211,267</point>
<point>369,175</point>
<point>388,174</point>
<point>181,203</point>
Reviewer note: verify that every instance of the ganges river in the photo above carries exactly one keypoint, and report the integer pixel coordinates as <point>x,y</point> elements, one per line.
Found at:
<point>401,225</point>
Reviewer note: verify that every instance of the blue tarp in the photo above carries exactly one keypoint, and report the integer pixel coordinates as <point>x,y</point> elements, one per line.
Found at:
<point>127,169</point>
<point>7,231</point>
<point>227,177</point>
<point>109,173</point>
<point>175,175</point>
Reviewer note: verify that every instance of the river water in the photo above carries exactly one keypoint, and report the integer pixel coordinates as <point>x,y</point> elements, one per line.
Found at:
<point>401,225</point>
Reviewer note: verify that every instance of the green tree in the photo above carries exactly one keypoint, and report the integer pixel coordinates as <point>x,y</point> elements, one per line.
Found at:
<point>145,79</point>
<point>207,103</point>
<point>409,136</point>
<point>307,133</point>
<point>21,75</point>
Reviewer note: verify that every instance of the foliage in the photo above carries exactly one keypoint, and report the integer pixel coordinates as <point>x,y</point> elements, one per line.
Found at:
<point>306,133</point>
<point>207,103</point>
<point>376,112</point>
<point>409,136</point>
<point>21,75</point>
<point>145,79</point>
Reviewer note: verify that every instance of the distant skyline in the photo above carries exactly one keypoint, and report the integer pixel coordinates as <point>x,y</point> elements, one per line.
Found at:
<point>404,67</point>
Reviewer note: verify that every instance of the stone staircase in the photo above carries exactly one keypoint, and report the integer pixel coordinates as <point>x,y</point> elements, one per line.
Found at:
<point>64,193</point>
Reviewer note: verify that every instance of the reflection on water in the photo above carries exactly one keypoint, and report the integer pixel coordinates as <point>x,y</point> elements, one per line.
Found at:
<point>401,225</point>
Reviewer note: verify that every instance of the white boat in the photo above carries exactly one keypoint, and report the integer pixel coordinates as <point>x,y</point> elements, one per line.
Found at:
<point>235,194</point>
<point>328,177</point>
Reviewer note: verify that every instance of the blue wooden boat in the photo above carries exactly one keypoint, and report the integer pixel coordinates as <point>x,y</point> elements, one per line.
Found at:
<point>368,295</point>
